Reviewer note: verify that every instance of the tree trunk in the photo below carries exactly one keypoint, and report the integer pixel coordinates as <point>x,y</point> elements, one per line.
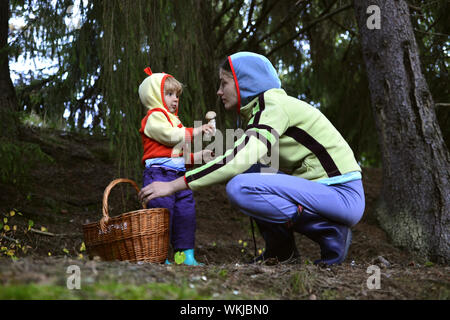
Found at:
<point>8,100</point>
<point>414,208</point>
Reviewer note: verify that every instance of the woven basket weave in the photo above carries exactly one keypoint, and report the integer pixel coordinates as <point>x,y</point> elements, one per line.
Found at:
<point>141,235</point>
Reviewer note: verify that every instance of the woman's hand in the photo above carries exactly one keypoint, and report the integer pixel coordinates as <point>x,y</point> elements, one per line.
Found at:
<point>206,129</point>
<point>159,189</point>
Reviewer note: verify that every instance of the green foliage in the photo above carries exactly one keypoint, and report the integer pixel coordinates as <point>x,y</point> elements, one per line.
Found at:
<point>16,160</point>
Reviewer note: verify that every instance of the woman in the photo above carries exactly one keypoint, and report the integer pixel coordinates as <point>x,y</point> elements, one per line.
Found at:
<point>318,192</point>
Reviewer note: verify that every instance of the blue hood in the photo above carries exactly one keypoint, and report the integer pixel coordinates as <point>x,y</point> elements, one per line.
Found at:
<point>253,74</point>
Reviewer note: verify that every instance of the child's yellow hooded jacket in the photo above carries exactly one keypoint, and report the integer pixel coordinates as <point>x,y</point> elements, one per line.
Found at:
<point>161,130</point>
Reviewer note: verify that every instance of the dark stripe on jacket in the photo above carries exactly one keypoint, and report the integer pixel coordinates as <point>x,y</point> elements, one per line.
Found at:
<point>262,106</point>
<point>302,137</point>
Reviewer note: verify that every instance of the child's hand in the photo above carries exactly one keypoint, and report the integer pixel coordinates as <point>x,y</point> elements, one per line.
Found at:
<point>208,129</point>
<point>207,155</point>
<point>156,189</point>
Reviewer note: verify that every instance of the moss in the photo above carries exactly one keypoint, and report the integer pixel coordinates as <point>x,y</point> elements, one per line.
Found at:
<point>328,294</point>
<point>302,283</point>
<point>106,290</point>
<point>14,160</point>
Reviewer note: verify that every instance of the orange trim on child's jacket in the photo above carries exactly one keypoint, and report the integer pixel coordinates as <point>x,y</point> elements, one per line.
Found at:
<point>152,148</point>
<point>163,80</point>
<point>155,149</point>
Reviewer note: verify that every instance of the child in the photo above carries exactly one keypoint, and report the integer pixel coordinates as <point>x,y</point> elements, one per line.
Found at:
<point>161,132</point>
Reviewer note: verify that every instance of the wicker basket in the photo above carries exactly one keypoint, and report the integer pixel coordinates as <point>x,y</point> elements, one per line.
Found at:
<point>141,235</point>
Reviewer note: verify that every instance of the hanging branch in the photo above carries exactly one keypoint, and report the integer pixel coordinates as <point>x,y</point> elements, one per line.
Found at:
<point>38,84</point>
<point>250,14</point>
<point>245,32</point>
<point>311,25</point>
<point>348,48</point>
<point>225,8</point>
<point>352,33</point>
<point>285,20</point>
<point>432,33</point>
<point>227,27</point>
<point>90,92</point>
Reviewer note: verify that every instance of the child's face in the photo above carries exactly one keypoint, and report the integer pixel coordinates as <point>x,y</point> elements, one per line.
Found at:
<point>171,99</point>
<point>227,90</point>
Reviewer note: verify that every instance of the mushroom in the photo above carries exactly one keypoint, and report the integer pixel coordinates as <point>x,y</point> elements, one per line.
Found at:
<point>211,118</point>
<point>210,115</point>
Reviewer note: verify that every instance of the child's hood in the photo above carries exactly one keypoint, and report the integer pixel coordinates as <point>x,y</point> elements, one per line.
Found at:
<point>151,90</point>
<point>253,73</point>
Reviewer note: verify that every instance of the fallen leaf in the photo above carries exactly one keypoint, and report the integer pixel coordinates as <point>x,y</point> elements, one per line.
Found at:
<point>179,257</point>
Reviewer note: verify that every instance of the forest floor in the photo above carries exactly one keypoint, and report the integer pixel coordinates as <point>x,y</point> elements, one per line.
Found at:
<point>62,195</point>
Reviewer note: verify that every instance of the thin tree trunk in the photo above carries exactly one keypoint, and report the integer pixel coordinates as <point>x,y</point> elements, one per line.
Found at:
<point>8,100</point>
<point>414,208</point>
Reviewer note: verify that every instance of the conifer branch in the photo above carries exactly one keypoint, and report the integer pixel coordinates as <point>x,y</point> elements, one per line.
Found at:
<point>309,26</point>
<point>225,8</point>
<point>285,20</point>
<point>245,32</point>
<point>222,32</point>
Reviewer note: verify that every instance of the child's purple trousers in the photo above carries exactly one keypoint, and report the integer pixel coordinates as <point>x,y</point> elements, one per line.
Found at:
<point>181,206</point>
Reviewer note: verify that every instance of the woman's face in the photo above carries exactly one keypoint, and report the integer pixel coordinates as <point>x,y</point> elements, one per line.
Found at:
<point>227,90</point>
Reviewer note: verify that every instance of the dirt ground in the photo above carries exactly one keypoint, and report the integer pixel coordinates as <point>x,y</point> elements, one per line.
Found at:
<point>63,195</point>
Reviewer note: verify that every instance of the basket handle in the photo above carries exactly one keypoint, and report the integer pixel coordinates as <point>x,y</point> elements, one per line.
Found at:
<point>104,220</point>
